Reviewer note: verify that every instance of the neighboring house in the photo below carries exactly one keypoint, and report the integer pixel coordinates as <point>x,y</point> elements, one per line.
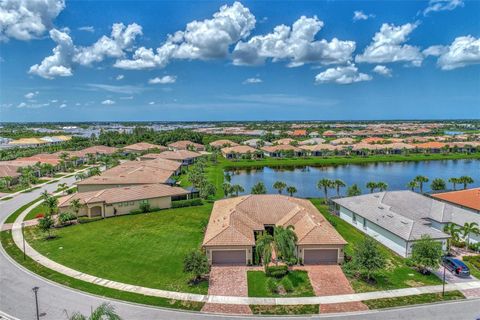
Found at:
<point>311,141</point>
<point>142,147</point>
<point>399,218</point>
<point>314,134</point>
<point>128,174</point>
<point>329,133</point>
<point>468,198</point>
<point>36,142</point>
<point>240,151</point>
<point>431,147</point>
<point>235,222</point>
<point>299,133</point>
<point>342,141</point>
<point>219,144</point>
<point>372,140</point>
<point>10,171</point>
<point>282,151</point>
<point>119,201</point>
<point>256,143</point>
<point>186,145</point>
<point>319,150</point>
<point>285,141</point>
<point>186,157</point>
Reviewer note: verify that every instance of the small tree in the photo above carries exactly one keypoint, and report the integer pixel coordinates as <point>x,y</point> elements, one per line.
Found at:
<point>76,205</point>
<point>382,186</point>
<point>236,188</point>
<point>454,231</point>
<point>259,188</point>
<point>412,185</point>
<point>421,180</point>
<point>465,180</point>
<point>263,248</point>
<point>438,184</point>
<point>338,184</point>
<point>325,184</point>
<point>144,207</point>
<point>454,182</point>
<point>207,190</point>
<point>279,185</point>
<point>45,225</point>
<point>368,258</point>
<point>371,185</point>
<point>291,190</point>
<point>469,229</point>
<point>426,254</point>
<point>105,311</point>
<point>196,263</point>
<point>353,190</point>
<point>227,189</point>
<point>285,242</point>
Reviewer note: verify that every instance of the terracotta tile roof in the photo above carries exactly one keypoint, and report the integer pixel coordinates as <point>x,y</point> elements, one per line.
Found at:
<point>373,140</point>
<point>281,147</point>
<point>144,146</point>
<point>9,171</point>
<point>223,143</point>
<point>96,150</point>
<point>115,195</point>
<point>342,141</point>
<point>320,147</point>
<point>233,221</point>
<point>430,145</point>
<point>178,155</point>
<point>184,144</point>
<point>238,149</point>
<point>50,158</point>
<point>286,141</point>
<point>164,164</point>
<point>299,133</point>
<point>469,198</point>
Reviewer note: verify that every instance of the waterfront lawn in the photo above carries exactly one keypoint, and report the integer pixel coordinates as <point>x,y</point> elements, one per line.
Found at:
<point>285,310</point>
<point>257,284</point>
<point>410,300</point>
<point>143,249</point>
<point>396,275</point>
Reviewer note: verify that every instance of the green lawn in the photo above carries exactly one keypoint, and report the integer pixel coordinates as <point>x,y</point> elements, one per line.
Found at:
<point>257,285</point>
<point>396,274</point>
<point>409,300</point>
<point>474,271</point>
<point>285,310</point>
<point>40,209</point>
<point>144,249</point>
<point>17,255</point>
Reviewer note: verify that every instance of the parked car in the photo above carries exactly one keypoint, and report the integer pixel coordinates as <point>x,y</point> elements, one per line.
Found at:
<point>456,266</point>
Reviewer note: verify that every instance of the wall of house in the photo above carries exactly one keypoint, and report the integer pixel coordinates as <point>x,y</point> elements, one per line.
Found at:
<point>248,251</point>
<point>382,235</point>
<point>340,248</point>
<point>126,207</point>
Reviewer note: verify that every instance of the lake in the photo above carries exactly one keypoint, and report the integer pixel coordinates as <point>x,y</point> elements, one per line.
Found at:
<point>395,174</point>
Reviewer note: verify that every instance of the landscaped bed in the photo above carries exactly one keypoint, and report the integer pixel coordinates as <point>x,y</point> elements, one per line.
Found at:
<point>397,274</point>
<point>258,285</point>
<point>285,310</point>
<point>144,249</point>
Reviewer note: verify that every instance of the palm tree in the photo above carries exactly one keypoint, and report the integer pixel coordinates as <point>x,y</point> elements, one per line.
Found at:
<point>236,188</point>
<point>412,185</point>
<point>64,158</point>
<point>421,180</point>
<point>354,190</point>
<point>453,230</point>
<point>263,248</point>
<point>382,186</point>
<point>227,188</point>
<point>372,185</point>
<point>466,180</point>
<point>95,171</point>
<point>105,311</point>
<point>454,182</point>
<point>291,190</point>
<point>259,188</point>
<point>80,176</point>
<point>76,205</point>
<point>470,229</point>
<point>285,242</point>
<point>8,181</point>
<point>338,184</point>
<point>279,185</point>
<point>51,204</point>
<point>325,184</point>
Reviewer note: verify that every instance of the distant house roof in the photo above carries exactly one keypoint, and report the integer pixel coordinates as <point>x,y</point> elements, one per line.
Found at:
<point>320,147</point>
<point>178,155</point>
<point>299,133</point>
<point>123,194</point>
<point>312,141</point>
<point>281,147</point>
<point>255,142</point>
<point>27,141</point>
<point>143,146</point>
<point>469,198</point>
<point>430,145</point>
<point>233,221</point>
<point>329,133</point>
<point>284,141</point>
<point>185,144</point>
<point>50,158</point>
<point>373,140</point>
<point>97,150</point>
<point>238,149</point>
<point>223,143</point>
<point>406,213</point>
<point>342,141</point>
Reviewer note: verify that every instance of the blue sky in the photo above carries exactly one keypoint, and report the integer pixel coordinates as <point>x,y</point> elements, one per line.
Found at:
<point>250,60</point>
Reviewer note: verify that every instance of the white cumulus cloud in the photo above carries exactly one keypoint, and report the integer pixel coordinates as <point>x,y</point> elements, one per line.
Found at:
<point>27,19</point>
<point>463,51</point>
<point>252,81</point>
<point>120,77</point>
<point>442,5</point>
<point>163,80</point>
<point>342,75</point>
<point>90,29</point>
<point>31,95</point>
<point>360,15</point>
<point>382,70</point>
<point>108,102</point>
<point>63,105</point>
<point>296,44</point>
<point>201,40</point>
<point>388,45</point>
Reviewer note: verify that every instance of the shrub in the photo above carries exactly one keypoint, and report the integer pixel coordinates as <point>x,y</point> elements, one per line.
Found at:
<point>39,216</point>
<point>145,207</point>
<point>474,260</point>
<point>187,203</point>
<point>66,217</point>
<point>277,271</point>
<point>458,244</point>
<point>196,263</point>
<point>87,220</point>
<point>272,285</point>
<point>287,284</point>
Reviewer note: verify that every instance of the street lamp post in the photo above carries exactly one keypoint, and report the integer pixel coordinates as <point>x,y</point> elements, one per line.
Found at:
<point>23,237</point>
<point>35,290</point>
<point>443,289</point>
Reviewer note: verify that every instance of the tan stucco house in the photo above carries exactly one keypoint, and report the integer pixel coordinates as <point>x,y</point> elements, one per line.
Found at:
<point>235,222</point>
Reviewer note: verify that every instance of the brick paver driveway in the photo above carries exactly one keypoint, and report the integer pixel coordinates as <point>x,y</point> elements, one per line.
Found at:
<point>228,281</point>
<point>329,280</point>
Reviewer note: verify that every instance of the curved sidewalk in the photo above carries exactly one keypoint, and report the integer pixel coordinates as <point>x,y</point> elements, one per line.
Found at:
<point>355,297</point>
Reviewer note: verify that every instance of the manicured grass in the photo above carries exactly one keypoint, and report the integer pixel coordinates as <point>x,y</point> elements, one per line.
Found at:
<point>30,190</point>
<point>285,310</point>
<point>409,300</point>
<point>396,273</point>
<point>15,188</point>
<point>144,249</point>
<point>40,209</point>
<point>52,181</point>
<point>474,271</point>
<point>59,175</point>
<point>17,255</point>
<point>257,284</point>
<point>17,212</point>
<point>6,198</point>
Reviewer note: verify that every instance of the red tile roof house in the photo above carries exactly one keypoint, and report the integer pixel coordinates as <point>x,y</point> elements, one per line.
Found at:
<point>299,133</point>
<point>186,145</point>
<point>143,147</point>
<point>219,144</point>
<point>237,152</point>
<point>283,151</point>
<point>235,222</point>
<point>431,147</point>
<point>468,198</point>
<point>119,201</point>
<point>319,150</point>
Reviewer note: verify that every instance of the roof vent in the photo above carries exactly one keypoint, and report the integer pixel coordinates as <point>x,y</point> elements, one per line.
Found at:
<point>380,207</point>
<point>390,215</point>
<point>404,222</point>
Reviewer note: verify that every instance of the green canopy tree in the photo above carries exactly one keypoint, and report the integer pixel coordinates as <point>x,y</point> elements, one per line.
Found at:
<point>196,263</point>
<point>259,188</point>
<point>426,254</point>
<point>105,311</point>
<point>263,248</point>
<point>469,229</point>
<point>438,184</point>
<point>465,180</point>
<point>367,257</point>
<point>236,188</point>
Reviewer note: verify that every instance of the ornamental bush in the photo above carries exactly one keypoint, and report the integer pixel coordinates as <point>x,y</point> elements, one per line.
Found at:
<point>277,271</point>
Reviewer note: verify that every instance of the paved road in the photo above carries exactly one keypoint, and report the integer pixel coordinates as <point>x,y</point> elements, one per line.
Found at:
<point>17,299</point>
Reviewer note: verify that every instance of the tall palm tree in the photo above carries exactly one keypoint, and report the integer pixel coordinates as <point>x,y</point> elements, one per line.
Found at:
<point>76,205</point>
<point>454,231</point>
<point>382,186</point>
<point>469,229</point>
<point>454,182</point>
<point>372,185</point>
<point>285,242</point>
<point>105,311</point>
<point>263,248</point>
<point>412,185</point>
<point>421,180</point>
<point>8,181</point>
<point>325,184</point>
<point>291,190</point>
<point>465,180</point>
<point>227,189</point>
<point>236,188</point>
<point>338,184</point>
<point>52,204</point>
<point>279,185</point>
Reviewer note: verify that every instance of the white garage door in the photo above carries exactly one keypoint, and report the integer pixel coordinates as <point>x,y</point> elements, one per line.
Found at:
<point>320,256</point>
<point>229,257</point>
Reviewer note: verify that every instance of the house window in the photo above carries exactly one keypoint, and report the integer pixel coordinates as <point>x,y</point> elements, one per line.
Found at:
<point>144,201</point>
<point>354,218</point>
<point>364,223</point>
